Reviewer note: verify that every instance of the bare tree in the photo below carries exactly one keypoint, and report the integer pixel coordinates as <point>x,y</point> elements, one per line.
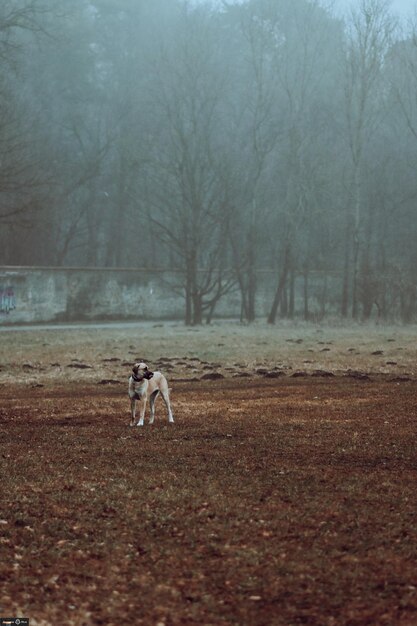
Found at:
<point>370,35</point>
<point>300,32</point>
<point>187,198</point>
<point>256,136</point>
<point>19,178</point>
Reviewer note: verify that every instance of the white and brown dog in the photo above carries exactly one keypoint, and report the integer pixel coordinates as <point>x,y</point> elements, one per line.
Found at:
<point>144,384</point>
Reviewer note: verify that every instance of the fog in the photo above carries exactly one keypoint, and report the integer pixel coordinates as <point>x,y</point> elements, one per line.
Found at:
<point>401,8</point>
<point>263,145</point>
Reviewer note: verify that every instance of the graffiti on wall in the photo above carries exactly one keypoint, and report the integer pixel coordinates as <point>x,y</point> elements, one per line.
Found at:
<point>7,299</point>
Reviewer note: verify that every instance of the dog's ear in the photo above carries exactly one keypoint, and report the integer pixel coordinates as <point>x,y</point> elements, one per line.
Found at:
<point>135,369</point>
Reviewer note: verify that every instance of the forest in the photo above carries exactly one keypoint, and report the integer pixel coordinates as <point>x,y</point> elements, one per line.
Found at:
<point>227,141</point>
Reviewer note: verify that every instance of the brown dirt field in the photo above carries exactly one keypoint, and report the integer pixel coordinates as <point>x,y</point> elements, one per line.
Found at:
<point>270,501</point>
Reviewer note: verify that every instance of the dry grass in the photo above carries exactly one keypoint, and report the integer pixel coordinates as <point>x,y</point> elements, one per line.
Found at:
<point>283,501</point>
<point>43,356</point>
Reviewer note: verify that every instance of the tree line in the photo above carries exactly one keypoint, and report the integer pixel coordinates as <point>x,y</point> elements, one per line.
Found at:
<point>223,140</point>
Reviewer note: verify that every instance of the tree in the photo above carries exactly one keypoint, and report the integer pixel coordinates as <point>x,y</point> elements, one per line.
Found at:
<point>303,46</point>
<point>187,195</point>
<point>254,138</point>
<point>370,35</point>
<point>21,181</point>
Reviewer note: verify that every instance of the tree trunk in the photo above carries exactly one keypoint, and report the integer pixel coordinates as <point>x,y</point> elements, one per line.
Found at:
<point>188,305</point>
<point>284,300</point>
<point>323,298</point>
<point>197,308</point>
<point>251,291</point>
<point>190,288</point>
<point>305,293</point>
<point>355,278</point>
<point>345,287</point>
<point>291,303</point>
<point>280,287</point>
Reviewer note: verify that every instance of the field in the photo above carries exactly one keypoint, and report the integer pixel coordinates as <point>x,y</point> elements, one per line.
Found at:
<point>284,494</point>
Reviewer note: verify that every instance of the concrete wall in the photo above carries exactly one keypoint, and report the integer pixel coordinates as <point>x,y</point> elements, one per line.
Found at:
<point>30,295</point>
<point>46,294</point>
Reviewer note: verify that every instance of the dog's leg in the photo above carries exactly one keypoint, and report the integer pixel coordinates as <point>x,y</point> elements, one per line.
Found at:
<point>152,399</point>
<point>142,407</point>
<point>165,397</point>
<point>163,388</point>
<point>132,411</point>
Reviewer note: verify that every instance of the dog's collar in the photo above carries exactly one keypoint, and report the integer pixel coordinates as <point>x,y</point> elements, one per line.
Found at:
<point>136,379</point>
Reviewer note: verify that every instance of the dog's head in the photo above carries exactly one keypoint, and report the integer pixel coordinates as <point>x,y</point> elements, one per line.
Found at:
<point>141,371</point>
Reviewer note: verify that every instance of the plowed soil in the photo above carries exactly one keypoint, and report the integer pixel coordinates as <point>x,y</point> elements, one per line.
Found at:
<point>272,500</point>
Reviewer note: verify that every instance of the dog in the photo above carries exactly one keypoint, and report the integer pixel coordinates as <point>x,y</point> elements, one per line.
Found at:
<point>144,384</point>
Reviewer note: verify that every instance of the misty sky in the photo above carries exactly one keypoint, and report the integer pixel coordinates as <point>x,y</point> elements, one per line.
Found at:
<point>404,6</point>
<point>401,7</point>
